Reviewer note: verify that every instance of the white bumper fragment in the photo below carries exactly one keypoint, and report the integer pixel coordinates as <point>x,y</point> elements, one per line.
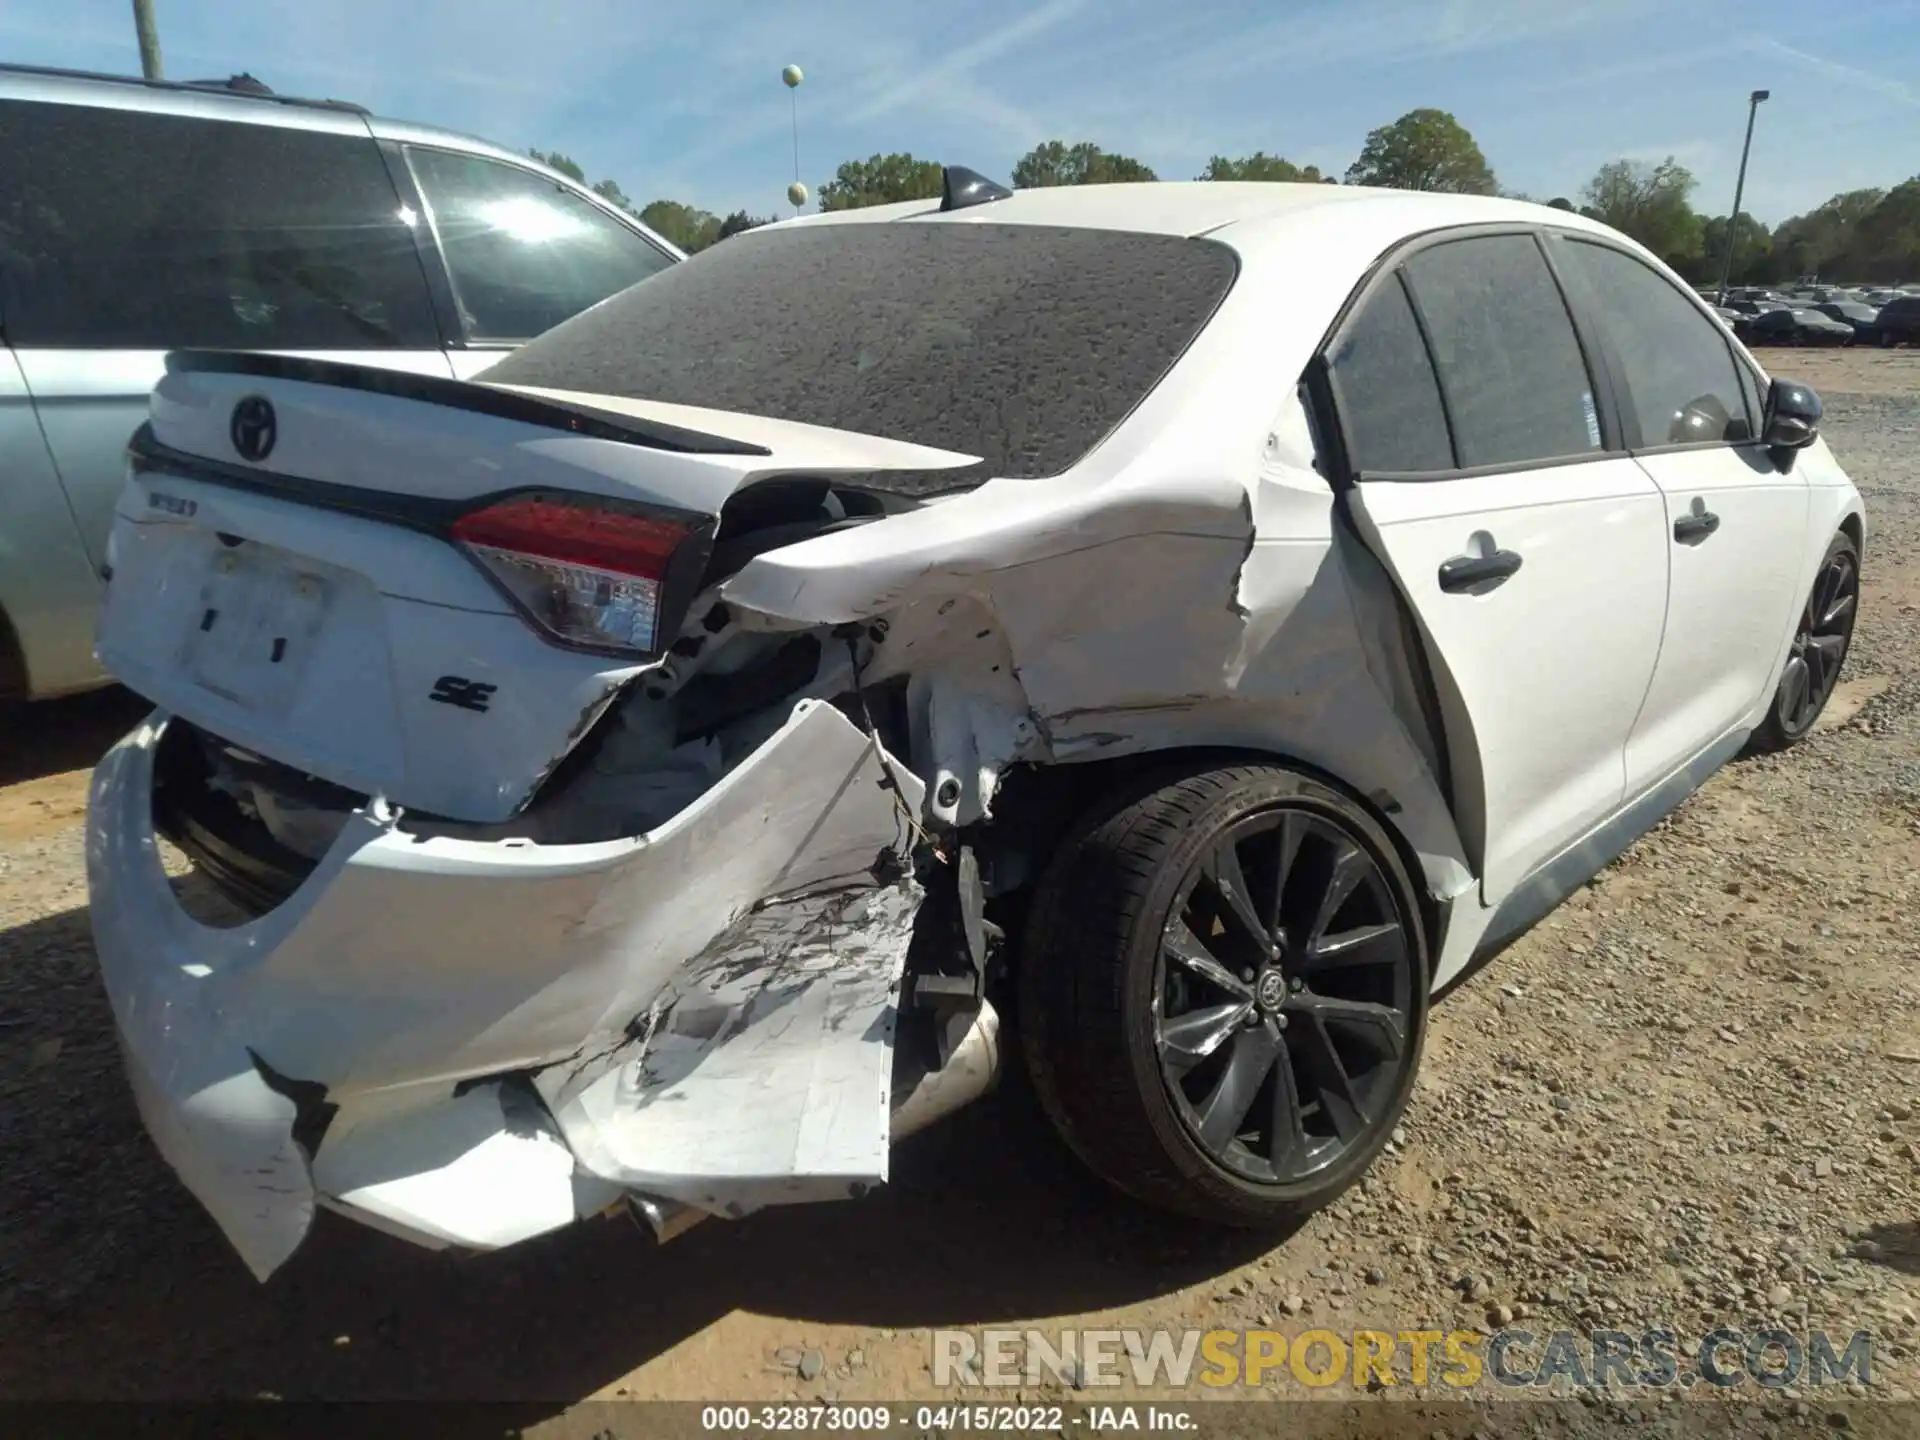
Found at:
<point>511,1035</point>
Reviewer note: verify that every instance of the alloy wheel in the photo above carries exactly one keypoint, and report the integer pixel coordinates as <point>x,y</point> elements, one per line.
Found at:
<point>1820,642</point>
<point>1283,1001</point>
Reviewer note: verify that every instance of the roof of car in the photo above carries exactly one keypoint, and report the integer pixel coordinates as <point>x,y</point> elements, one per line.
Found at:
<point>232,101</point>
<point>1199,207</point>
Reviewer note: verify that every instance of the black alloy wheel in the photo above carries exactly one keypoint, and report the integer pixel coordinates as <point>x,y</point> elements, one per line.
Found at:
<point>1223,992</point>
<point>1283,1004</point>
<point>1821,638</point>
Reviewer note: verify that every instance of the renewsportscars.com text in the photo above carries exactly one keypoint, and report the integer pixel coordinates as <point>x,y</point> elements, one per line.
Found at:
<point>1370,1359</point>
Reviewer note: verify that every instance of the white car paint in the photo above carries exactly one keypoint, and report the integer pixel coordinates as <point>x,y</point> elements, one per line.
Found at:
<point>1594,541</point>
<point>1190,583</point>
<point>1730,599</point>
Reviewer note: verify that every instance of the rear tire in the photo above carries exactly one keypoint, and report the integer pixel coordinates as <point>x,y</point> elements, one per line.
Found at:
<point>1821,638</point>
<point>1151,997</point>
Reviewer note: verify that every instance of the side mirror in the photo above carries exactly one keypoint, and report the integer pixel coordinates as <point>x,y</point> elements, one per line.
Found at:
<point>1793,416</point>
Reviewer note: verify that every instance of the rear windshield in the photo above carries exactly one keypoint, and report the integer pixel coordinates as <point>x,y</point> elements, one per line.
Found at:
<point>1020,344</point>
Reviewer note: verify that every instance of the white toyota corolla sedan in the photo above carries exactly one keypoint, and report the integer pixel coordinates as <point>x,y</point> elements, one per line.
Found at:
<point>1198,620</point>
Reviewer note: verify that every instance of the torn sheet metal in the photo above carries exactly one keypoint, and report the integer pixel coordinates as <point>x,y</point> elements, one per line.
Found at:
<point>408,965</point>
<point>764,1074</point>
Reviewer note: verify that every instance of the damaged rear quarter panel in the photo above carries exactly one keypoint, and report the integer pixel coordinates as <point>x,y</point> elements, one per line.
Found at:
<point>1165,596</point>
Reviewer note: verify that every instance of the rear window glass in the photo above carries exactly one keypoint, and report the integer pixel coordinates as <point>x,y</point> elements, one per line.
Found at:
<point>1021,344</point>
<point>121,229</point>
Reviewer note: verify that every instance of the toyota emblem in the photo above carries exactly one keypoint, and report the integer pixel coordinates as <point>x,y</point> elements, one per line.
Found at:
<point>254,428</point>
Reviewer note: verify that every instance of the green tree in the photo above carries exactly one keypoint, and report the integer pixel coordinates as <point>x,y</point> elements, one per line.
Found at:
<point>565,164</point>
<point>880,180</point>
<point>1262,166</point>
<point>738,221</point>
<point>691,229</point>
<point>1752,250</point>
<point>1559,202</point>
<point>1651,204</point>
<point>1055,163</point>
<point>1886,245</point>
<point>1423,150</point>
<point>610,191</point>
<point>1832,236</point>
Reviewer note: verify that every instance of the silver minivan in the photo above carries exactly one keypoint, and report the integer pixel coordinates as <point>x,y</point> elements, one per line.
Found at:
<point>139,217</point>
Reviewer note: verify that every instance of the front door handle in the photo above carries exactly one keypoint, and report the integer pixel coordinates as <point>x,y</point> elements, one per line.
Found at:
<point>1476,574</point>
<point>1692,529</point>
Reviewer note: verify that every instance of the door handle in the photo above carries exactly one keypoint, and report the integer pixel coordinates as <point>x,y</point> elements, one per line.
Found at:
<point>1692,529</point>
<point>1475,574</point>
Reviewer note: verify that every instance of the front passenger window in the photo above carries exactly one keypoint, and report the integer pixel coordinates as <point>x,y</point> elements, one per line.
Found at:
<point>1679,369</point>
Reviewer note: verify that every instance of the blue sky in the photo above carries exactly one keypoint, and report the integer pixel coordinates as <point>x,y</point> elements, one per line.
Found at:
<point>685,100</point>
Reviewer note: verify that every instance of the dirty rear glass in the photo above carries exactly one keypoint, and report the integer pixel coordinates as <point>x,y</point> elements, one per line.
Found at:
<point>1020,344</point>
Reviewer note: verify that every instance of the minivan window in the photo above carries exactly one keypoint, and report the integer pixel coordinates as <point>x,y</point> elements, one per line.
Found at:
<point>1021,344</point>
<point>1510,367</point>
<point>1678,364</point>
<point>1383,384</point>
<point>124,229</point>
<point>523,252</point>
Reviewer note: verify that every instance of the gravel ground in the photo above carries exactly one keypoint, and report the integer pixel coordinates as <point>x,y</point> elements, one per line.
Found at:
<point>1687,1100</point>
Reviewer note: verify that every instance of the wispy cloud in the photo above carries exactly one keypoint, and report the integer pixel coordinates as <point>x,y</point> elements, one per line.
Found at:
<point>1694,154</point>
<point>1886,85</point>
<point>961,65</point>
<point>1359,37</point>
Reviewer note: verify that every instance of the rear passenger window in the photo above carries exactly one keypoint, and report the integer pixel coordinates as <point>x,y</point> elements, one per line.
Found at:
<point>1383,383</point>
<point>524,253</point>
<point>121,229</point>
<point>1511,371</point>
<point>1678,366</point>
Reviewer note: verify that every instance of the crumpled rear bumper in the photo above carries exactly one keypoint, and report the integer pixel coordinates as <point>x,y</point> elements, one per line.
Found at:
<point>470,1043</point>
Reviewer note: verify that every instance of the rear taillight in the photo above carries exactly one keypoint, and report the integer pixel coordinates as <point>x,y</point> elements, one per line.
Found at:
<point>590,573</point>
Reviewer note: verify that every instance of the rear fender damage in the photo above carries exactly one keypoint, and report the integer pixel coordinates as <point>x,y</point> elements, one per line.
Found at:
<point>1138,627</point>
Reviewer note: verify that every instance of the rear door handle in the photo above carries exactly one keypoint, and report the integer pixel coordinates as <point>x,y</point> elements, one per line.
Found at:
<point>1692,529</point>
<point>1475,574</point>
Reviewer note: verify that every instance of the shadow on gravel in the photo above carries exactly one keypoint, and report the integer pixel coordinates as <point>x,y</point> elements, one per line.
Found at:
<point>114,1283</point>
<point>59,735</point>
<point>1895,1245</point>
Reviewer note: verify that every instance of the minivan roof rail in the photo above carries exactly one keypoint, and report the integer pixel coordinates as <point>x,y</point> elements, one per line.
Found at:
<point>242,85</point>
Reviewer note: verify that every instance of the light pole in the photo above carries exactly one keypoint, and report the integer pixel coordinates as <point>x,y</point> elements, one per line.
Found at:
<point>1739,188</point>
<point>149,36</point>
<point>791,76</point>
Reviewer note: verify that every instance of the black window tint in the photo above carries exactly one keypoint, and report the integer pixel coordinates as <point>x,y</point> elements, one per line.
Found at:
<point>524,253</point>
<point>1678,368</point>
<point>1022,344</point>
<point>1383,383</point>
<point>1510,368</point>
<point>127,230</point>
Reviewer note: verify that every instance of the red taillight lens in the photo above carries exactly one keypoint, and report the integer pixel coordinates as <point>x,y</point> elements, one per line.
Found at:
<point>588,573</point>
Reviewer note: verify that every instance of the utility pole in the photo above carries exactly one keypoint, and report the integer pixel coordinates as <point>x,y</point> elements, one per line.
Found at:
<point>149,34</point>
<point>1739,188</point>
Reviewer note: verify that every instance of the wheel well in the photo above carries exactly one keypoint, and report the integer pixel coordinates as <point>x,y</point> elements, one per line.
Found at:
<point>1855,532</point>
<point>1038,804</point>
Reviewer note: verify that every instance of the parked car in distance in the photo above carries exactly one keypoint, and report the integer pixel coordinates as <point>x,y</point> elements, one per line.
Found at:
<point>1174,605</point>
<point>138,218</point>
<point>1862,317</point>
<point>1798,327</point>
<point>1899,321</point>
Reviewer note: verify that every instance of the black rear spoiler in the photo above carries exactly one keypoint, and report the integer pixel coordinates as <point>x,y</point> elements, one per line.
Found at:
<point>462,395</point>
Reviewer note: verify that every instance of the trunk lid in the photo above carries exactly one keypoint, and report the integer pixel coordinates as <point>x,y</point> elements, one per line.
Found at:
<point>296,565</point>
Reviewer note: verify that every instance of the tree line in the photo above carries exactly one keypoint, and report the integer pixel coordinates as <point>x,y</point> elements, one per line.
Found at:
<point>1863,235</point>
